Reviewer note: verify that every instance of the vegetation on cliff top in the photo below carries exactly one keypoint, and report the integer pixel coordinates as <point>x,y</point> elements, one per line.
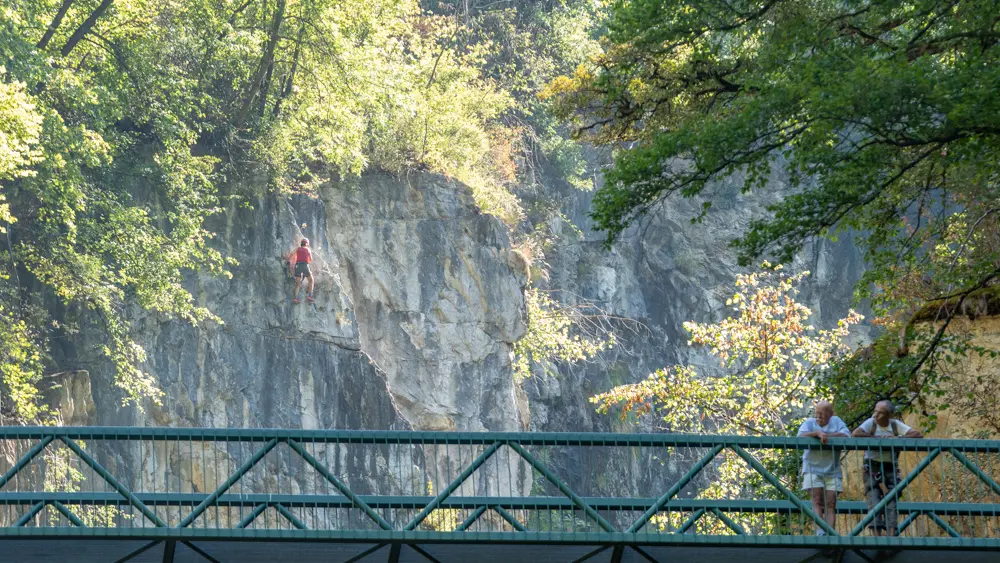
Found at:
<point>883,116</point>
<point>126,124</point>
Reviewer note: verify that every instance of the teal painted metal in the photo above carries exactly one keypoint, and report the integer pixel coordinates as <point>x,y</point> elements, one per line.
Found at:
<point>890,496</point>
<point>107,476</point>
<point>343,488</point>
<point>691,521</point>
<point>590,439</point>
<point>26,459</point>
<point>944,525</point>
<point>471,518</point>
<point>236,476</point>
<point>182,485</point>
<point>29,514</point>
<point>563,488</point>
<point>289,516</point>
<point>509,518</point>
<point>73,518</point>
<point>473,502</point>
<point>732,525</point>
<point>975,470</point>
<point>770,478</point>
<point>246,520</point>
<point>455,484</point>
<point>909,520</point>
<point>672,492</point>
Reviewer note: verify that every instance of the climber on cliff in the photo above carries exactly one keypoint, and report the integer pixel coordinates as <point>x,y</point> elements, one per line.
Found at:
<point>298,265</point>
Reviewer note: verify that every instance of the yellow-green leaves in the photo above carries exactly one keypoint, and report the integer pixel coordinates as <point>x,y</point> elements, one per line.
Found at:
<point>20,130</point>
<point>771,359</point>
<point>555,332</point>
<point>771,356</point>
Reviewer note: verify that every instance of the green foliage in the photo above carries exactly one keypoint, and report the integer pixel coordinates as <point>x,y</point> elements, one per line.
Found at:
<point>772,358</point>
<point>881,116</point>
<point>915,376</point>
<point>771,355</point>
<point>125,123</point>
<point>556,332</point>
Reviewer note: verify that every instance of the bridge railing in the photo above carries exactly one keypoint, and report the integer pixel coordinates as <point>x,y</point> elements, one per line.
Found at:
<point>155,482</point>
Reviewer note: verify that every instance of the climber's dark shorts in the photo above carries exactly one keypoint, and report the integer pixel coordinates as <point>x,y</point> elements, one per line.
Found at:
<point>302,269</point>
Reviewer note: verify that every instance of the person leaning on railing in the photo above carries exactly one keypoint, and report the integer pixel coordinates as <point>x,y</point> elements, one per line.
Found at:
<point>821,473</point>
<point>880,471</point>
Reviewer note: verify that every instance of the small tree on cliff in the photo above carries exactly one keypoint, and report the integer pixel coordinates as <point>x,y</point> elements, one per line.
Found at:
<point>772,357</point>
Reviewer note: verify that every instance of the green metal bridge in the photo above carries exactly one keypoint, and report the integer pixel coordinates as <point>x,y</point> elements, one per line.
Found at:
<point>196,495</point>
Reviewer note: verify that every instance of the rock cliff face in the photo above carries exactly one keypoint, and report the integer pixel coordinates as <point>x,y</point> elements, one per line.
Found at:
<point>663,272</point>
<point>417,308</point>
<point>418,303</point>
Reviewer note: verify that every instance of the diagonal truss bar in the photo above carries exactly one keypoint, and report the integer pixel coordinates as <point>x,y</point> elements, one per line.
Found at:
<point>777,484</point>
<point>729,522</point>
<point>563,488</point>
<point>643,554</point>
<point>236,476</point>
<point>25,460</point>
<point>365,553</point>
<point>340,485</point>
<point>422,552</point>
<point>27,516</point>
<point>68,514</point>
<point>509,518</point>
<point>944,525</point>
<point>892,494</point>
<point>252,516</point>
<point>115,483</point>
<point>289,516</point>
<point>909,520</point>
<point>680,484</point>
<point>201,552</point>
<point>591,554</point>
<point>433,504</point>
<point>975,469</point>
<point>472,518</point>
<point>138,552</point>
<point>690,521</point>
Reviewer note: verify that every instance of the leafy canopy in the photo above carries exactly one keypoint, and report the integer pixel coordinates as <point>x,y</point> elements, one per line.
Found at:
<point>125,125</point>
<point>771,358</point>
<point>875,116</point>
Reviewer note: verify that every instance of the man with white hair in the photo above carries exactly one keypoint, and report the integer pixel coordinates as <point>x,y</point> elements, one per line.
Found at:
<point>821,473</point>
<point>880,472</point>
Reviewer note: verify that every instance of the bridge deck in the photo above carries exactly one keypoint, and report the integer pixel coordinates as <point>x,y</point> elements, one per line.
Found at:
<point>156,494</point>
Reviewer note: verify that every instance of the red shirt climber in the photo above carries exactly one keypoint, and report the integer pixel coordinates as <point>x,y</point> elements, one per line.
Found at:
<point>298,265</point>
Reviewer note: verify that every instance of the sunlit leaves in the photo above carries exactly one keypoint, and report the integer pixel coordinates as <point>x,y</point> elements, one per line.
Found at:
<point>555,332</point>
<point>878,118</point>
<point>772,358</point>
<point>771,355</point>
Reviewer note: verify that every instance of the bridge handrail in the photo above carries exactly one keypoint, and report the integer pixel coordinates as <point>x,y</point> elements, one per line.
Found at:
<point>472,438</point>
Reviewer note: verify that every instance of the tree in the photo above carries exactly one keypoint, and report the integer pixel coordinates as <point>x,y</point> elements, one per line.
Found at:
<point>772,358</point>
<point>882,115</point>
<point>126,124</point>
<point>568,333</point>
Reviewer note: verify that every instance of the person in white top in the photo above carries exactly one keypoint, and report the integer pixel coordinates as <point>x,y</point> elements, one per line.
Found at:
<point>821,473</point>
<point>880,472</point>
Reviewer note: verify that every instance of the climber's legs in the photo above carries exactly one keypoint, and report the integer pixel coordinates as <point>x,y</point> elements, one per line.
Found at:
<point>298,284</point>
<point>301,273</point>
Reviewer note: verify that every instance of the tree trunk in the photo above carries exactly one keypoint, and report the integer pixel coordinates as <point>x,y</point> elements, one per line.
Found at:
<point>54,25</point>
<point>85,27</point>
<point>286,86</point>
<point>264,89</point>
<point>265,63</point>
